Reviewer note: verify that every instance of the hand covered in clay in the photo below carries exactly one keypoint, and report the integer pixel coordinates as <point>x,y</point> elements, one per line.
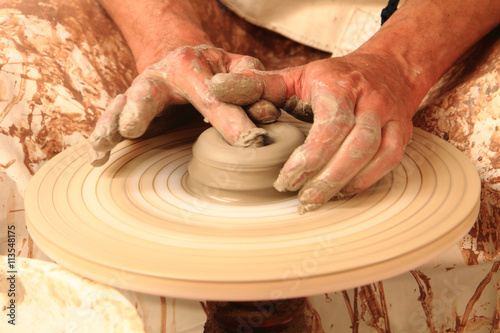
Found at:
<point>362,108</point>
<point>182,78</point>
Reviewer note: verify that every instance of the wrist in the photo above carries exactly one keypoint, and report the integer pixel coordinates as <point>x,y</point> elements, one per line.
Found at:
<point>424,38</point>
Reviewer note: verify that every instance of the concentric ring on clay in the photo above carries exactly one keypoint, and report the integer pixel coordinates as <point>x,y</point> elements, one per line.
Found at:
<point>134,219</point>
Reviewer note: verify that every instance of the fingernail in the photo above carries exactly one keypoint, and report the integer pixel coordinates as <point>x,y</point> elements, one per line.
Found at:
<point>311,195</point>
<point>302,209</point>
<point>353,187</point>
<point>98,158</point>
<point>291,182</point>
<point>279,185</point>
<point>104,141</point>
<point>295,178</point>
<point>263,112</point>
<point>316,194</point>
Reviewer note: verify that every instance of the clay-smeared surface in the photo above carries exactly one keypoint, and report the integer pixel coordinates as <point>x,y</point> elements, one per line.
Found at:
<point>464,109</point>
<point>55,81</point>
<point>226,174</point>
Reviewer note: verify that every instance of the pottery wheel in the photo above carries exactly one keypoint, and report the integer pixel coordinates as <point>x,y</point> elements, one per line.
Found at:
<point>134,224</point>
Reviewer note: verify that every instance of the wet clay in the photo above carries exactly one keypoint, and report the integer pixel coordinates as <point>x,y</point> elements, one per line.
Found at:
<point>236,89</point>
<point>222,173</point>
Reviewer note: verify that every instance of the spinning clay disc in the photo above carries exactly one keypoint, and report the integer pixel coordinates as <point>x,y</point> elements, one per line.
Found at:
<point>221,173</point>
<point>135,224</point>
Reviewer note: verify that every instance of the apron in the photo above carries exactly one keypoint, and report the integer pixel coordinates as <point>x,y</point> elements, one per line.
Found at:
<point>336,26</point>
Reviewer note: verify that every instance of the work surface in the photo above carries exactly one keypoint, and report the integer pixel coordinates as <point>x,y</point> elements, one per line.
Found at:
<point>136,216</point>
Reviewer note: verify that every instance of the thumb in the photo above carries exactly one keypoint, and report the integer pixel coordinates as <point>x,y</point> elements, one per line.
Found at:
<point>248,87</point>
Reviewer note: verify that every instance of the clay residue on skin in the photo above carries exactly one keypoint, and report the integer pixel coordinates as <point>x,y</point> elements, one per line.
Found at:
<point>308,200</point>
<point>299,109</point>
<point>106,135</point>
<point>195,65</point>
<point>236,89</point>
<point>263,112</point>
<point>70,66</point>
<point>251,138</point>
<point>98,158</point>
<point>247,63</point>
<point>316,193</point>
<point>304,164</point>
<point>368,137</point>
<point>292,179</point>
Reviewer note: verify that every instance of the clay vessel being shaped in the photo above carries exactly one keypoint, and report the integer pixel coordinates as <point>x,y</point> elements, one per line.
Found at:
<point>219,172</point>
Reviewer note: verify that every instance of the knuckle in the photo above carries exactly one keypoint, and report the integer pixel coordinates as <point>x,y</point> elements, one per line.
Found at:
<point>344,118</point>
<point>184,55</point>
<point>366,141</point>
<point>382,99</point>
<point>369,134</point>
<point>263,111</point>
<point>396,153</point>
<point>183,50</point>
<point>248,63</point>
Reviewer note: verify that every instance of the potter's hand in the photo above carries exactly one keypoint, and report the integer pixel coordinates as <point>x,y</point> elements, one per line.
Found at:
<point>362,110</point>
<point>182,78</point>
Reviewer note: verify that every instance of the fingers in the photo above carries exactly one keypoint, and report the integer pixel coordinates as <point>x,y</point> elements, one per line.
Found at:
<point>389,155</point>
<point>106,134</point>
<point>333,122</point>
<point>127,116</point>
<point>245,63</point>
<point>356,151</point>
<point>244,91</point>
<point>190,73</point>
<point>259,93</point>
<point>181,78</point>
<point>235,88</point>
<point>98,158</point>
<point>232,122</point>
<point>263,112</point>
<point>229,119</point>
<point>146,98</point>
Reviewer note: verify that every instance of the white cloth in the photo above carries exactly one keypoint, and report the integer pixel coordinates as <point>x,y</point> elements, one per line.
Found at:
<point>337,26</point>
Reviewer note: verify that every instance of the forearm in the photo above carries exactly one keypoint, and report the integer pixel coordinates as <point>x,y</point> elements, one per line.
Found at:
<point>153,28</point>
<point>426,37</point>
